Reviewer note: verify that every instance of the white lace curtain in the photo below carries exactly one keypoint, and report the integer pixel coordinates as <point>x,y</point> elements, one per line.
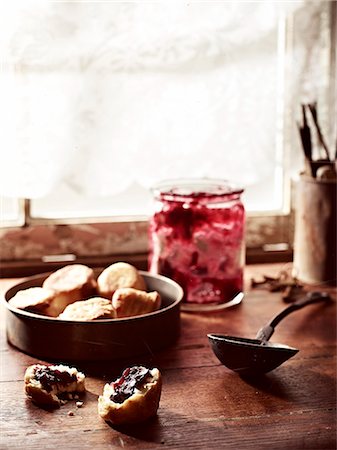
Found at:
<point>101,95</point>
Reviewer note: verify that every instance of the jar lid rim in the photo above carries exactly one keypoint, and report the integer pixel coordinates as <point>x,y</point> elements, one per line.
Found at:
<point>204,187</point>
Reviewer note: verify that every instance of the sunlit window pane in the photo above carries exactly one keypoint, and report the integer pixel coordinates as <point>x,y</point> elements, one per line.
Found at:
<point>9,210</point>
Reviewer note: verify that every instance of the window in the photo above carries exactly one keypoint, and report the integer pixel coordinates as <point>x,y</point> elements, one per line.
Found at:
<point>103,100</point>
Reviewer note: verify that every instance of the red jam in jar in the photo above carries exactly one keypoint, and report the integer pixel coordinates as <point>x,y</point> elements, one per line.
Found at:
<point>197,239</point>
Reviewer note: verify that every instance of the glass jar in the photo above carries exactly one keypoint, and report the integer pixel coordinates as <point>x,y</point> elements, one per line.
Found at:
<point>197,239</point>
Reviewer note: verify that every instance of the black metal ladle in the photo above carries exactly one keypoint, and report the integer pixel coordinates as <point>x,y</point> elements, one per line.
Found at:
<point>257,356</point>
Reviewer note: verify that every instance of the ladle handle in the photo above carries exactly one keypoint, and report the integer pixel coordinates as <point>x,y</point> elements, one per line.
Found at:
<point>312,297</point>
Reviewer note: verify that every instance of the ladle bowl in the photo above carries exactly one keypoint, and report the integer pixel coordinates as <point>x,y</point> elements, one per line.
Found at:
<point>257,356</point>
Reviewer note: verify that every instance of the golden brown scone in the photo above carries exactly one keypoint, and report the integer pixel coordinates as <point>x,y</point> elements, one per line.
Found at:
<point>119,275</point>
<point>128,302</point>
<point>71,283</point>
<point>36,299</point>
<point>44,384</point>
<point>132,398</point>
<point>92,309</point>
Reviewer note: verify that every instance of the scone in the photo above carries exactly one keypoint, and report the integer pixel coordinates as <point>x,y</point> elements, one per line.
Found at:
<point>71,283</point>
<point>92,309</point>
<point>119,275</point>
<point>45,384</point>
<point>36,299</point>
<point>132,398</point>
<point>128,302</point>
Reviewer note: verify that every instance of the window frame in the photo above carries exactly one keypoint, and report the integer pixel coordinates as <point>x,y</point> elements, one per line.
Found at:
<point>269,236</point>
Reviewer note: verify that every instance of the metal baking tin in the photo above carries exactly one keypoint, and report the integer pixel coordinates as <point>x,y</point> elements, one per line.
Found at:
<point>109,339</point>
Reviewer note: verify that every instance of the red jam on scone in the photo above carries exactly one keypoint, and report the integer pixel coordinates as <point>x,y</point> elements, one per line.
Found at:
<point>132,398</point>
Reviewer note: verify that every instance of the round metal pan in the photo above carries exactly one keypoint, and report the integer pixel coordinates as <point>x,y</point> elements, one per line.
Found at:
<point>101,340</point>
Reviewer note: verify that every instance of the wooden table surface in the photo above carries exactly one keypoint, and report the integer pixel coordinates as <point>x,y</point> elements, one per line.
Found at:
<point>203,404</point>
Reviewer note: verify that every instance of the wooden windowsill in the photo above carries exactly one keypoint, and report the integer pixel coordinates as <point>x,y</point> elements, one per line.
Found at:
<point>23,268</point>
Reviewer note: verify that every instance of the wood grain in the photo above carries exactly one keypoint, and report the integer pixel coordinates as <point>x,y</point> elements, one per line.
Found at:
<point>203,405</point>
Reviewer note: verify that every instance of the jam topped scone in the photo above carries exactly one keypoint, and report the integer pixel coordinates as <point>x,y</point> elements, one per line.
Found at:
<point>71,283</point>
<point>44,385</point>
<point>132,398</point>
<point>35,299</point>
<point>119,275</point>
<point>128,302</point>
<point>92,309</point>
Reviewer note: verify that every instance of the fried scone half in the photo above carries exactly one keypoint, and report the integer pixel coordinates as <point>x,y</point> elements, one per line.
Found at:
<point>119,275</point>
<point>132,398</point>
<point>95,308</point>
<point>128,302</point>
<point>71,283</point>
<point>45,385</point>
<point>35,299</point>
